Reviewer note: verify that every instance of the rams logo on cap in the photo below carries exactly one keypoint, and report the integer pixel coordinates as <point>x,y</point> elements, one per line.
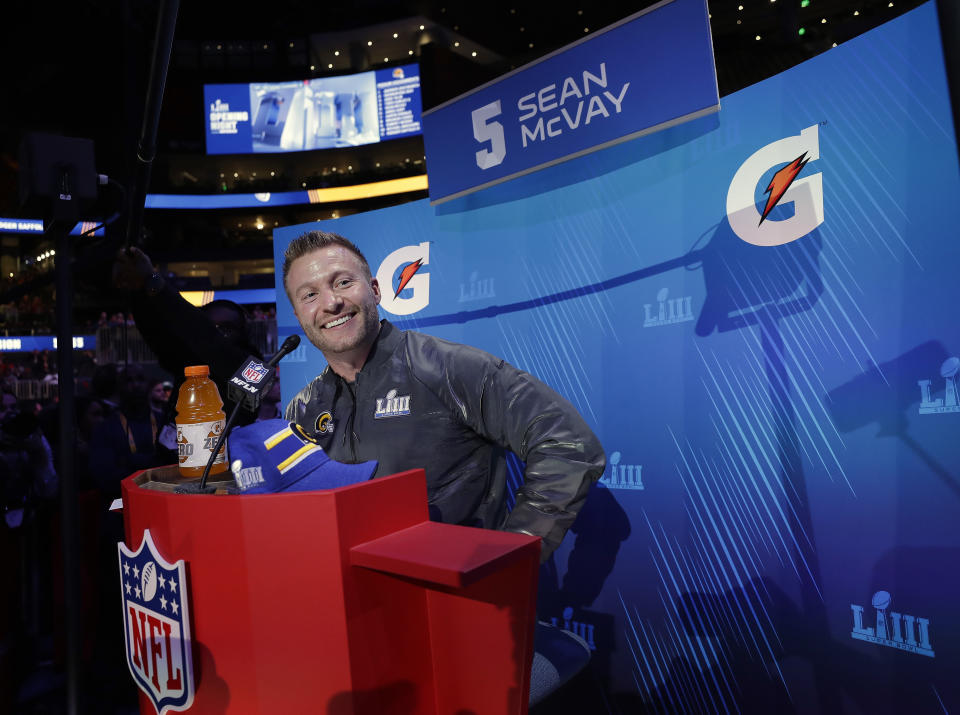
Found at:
<point>302,434</point>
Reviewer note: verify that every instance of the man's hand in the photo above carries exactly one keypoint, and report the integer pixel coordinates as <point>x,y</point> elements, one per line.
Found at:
<point>131,269</point>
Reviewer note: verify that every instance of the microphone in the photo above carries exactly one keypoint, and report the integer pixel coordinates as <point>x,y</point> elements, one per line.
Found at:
<point>250,383</point>
<point>247,387</point>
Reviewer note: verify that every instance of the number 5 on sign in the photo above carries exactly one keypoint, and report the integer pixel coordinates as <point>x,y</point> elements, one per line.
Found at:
<point>485,130</point>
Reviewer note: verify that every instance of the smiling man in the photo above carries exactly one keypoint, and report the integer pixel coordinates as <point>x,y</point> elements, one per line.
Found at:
<point>410,400</point>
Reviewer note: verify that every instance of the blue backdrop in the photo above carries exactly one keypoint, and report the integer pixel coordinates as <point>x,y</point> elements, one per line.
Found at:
<point>777,527</point>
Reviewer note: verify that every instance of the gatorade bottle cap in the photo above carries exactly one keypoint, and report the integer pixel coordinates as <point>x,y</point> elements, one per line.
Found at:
<point>196,370</point>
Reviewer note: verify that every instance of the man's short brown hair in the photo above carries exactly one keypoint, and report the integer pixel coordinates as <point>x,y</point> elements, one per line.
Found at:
<point>314,241</point>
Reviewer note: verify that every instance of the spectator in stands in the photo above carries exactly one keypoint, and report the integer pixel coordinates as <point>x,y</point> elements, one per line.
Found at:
<point>106,387</point>
<point>90,414</point>
<point>8,405</point>
<point>125,441</point>
<point>26,461</point>
<point>157,395</point>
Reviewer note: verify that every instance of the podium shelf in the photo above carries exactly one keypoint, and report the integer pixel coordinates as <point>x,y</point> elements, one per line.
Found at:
<point>443,554</point>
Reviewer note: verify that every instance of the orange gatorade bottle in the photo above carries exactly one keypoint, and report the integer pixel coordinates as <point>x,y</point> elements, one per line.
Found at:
<point>200,421</point>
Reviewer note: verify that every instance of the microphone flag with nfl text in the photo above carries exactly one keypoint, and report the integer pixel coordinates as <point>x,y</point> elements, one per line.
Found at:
<point>251,381</point>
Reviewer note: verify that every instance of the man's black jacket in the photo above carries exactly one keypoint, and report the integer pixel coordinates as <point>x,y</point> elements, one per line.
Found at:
<point>452,409</point>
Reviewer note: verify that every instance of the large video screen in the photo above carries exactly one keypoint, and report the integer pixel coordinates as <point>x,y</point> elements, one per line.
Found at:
<point>322,113</point>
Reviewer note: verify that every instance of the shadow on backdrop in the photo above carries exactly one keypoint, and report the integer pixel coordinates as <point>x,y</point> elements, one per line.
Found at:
<point>757,287</point>
<point>883,394</point>
<point>601,526</point>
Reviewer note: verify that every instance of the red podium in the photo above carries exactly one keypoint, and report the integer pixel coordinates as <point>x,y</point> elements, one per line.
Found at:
<point>348,601</point>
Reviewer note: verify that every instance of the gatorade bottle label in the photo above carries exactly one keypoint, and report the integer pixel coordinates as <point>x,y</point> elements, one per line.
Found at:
<point>195,442</point>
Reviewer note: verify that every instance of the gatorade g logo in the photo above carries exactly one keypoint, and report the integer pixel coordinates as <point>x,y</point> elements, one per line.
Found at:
<point>409,262</point>
<point>806,194</point>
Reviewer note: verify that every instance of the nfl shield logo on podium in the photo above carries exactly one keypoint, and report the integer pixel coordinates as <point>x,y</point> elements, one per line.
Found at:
<point>156,625</point>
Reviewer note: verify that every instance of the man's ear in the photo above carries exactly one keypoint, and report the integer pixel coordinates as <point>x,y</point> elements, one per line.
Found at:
<point>375,286</point>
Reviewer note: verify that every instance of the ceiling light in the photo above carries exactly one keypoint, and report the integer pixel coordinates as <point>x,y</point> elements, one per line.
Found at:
<point>409,52</point>
<point>739,7</point>
<point>823,21</point>
<point>336,53</point>
<point>757,37</point>
<point>421,27</point>
<point>395,35</point>
<point>312,68</point>
<point>856,12</point>
<point>473,54</point>
<point>386,59</point>
<point>369,43</point>
<point>329,67</point>
<point>456,44</point>
<point>586,29</point>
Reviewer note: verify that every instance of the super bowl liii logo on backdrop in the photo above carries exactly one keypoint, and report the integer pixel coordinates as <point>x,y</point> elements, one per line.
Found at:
<point>580,628</point>
<point>894,630</point>
<point>476,288</point>
<point>621,476</point>
<point>156,625</point>
<point>950,402</point>
<point>668,311</point>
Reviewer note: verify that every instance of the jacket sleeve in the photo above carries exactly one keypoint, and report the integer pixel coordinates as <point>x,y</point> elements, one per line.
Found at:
<point>517,411</point>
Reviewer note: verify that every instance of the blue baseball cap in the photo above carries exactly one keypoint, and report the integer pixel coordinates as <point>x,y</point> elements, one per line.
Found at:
<point>279,456</point>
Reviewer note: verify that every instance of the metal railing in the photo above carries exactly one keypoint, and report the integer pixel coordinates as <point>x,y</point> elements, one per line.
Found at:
<point>35,390</point>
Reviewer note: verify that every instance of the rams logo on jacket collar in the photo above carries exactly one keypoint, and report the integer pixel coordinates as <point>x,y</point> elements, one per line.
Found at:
<point>324,423</point>
<point>392,405</point>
